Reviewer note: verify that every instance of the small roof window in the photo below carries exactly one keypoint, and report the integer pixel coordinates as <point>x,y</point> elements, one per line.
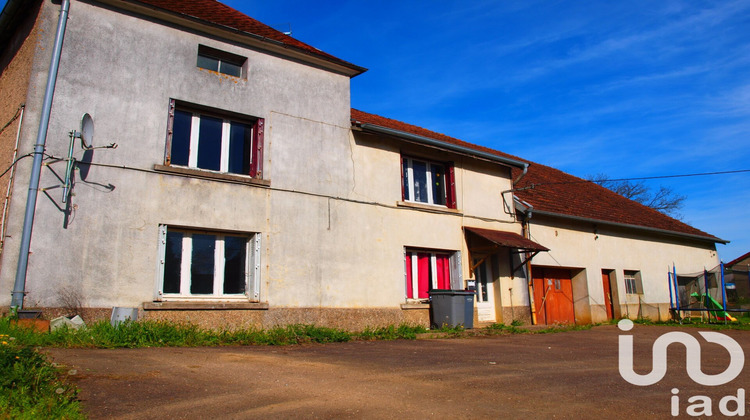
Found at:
<point>221,61</point>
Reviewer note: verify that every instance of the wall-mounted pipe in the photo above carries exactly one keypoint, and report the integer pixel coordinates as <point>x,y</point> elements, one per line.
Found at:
<point>19,287</point>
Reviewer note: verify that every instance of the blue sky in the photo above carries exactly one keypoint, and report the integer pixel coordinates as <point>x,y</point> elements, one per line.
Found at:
<point>630,88</point>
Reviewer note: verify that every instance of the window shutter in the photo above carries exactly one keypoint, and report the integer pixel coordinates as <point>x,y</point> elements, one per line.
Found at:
<point>256,160</point>
<point>638,283</point>
<point>407,270</point>
<point>450,186</point>
<point>401,169</point>
<point>253,287</point>
<point>457,282</point>
<point>162,249</point>
<point>170,125</point>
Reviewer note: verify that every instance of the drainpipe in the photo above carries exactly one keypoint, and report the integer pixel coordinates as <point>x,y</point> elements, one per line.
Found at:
<point>523,174</point>
<point>10,180</point>
<point>19,286</point>
<point>526,232</point>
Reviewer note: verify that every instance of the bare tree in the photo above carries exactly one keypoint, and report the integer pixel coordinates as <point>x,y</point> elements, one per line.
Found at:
<point>664,199</point>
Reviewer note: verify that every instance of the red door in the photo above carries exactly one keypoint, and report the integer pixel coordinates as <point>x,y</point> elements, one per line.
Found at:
<point>553,296</point>
<point>607,295</point>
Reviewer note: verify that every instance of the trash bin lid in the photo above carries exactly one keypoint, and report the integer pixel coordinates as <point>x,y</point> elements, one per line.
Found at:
<point>450,292</point>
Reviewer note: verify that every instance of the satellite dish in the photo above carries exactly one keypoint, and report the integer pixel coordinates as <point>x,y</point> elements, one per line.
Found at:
<point>87,131</point>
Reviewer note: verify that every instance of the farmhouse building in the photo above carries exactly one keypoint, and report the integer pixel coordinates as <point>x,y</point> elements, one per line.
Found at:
<point>245,190</point>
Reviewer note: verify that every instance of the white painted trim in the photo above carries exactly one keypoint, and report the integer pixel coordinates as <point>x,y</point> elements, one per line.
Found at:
<point>195,124</point>
<point>160,260</point>
<point>255,277</point>
<point>428,174</point>
<point>252,267</point>
<point>219,265</point>
<point>225,130</point>
<point>185,263</point>
<point>414,275</point>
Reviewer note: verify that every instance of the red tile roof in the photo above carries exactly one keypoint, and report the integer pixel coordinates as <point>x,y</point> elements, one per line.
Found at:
<point>360,117</point>
<point>555,191</point>
<point>737,260</point>
<point>212,11</point>
<point>507,239</point>
<point>558,192</point>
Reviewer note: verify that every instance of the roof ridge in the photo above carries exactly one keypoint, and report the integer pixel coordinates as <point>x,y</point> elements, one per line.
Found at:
<point>218,13</point>
<point>375,119</point>
<point>581,198</point>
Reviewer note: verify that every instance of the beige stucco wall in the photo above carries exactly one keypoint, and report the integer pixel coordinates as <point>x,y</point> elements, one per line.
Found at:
<point>332,225</point>
<point>588,249</point>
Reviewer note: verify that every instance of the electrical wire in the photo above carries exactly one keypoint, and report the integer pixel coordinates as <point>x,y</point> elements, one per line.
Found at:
<point>14,163</point>
<point>15,117</point>
<point>585,181</point>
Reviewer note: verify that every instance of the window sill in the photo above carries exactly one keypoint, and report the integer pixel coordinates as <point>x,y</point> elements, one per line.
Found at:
<point>199,173</point>
<point>204,306</point>
<point>425,305</point>
<point>428,208</point>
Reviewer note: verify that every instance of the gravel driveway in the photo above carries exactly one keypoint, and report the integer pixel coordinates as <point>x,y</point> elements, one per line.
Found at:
<point>563,375</point>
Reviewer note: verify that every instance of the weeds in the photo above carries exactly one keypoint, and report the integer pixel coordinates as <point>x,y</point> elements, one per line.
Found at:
<point>391,332</point>
<point>149,333</point>
<point>31,387</point>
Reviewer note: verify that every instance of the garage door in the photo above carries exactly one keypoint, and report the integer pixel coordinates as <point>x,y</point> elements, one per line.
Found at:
<point>553,296</point>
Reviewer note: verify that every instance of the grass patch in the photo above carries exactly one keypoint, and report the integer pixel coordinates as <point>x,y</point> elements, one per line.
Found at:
<point>149,333</point>
<point>31,387</point>
<point>742,324</point>
<point>402,332</point>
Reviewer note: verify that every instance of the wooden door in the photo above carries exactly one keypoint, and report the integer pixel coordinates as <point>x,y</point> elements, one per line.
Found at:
<point>607,286</point>
<point>553,296</point>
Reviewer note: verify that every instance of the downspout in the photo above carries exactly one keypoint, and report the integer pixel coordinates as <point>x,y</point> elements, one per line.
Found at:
<point>523,174</point>
<point>10,180</point>
<point>19,286</point>
<point>526,232</point>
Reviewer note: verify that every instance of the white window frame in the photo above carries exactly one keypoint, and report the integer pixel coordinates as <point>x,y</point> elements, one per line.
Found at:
<point>252,267</point>
<point>226,125</point>
<point>454,260</point>
<point>410,176</point>
<point>633,282</point>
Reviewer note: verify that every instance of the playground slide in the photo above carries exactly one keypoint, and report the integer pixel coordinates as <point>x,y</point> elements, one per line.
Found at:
<point>713,304</point>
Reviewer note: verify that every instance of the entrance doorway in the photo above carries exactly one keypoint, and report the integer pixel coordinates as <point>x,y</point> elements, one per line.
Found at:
<point>553,295</point>
<point>485,293</point>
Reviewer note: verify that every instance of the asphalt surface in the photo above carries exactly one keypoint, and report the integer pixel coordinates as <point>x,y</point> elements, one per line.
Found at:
<point>562,375</point>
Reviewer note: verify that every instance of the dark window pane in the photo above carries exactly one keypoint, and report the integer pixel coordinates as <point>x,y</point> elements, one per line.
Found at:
<point>419,169</point>
<point>208,63</point>
<point>240,140</point>
<point>405,169</point>
<point>202,267</point>
<point>173,262</point>
<point>209,143</point>
<point>235,249</point>
<point>438,184</point>
<point>181,138</point>
<point>231,69</point>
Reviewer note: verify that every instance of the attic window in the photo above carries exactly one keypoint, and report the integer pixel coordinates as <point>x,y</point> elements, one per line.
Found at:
<point>220,61</point>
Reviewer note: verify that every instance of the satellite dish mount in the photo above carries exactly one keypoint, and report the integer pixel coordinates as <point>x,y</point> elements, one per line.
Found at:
<point>87,143</point>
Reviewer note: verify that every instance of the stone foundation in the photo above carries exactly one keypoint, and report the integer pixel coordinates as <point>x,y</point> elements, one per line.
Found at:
<point>349,319</point>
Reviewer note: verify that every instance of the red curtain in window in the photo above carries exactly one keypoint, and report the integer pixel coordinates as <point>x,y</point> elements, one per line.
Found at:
<point>423,261</point>
<point>450,188</point>
<point>443,271</point>
<point>409,287</point>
